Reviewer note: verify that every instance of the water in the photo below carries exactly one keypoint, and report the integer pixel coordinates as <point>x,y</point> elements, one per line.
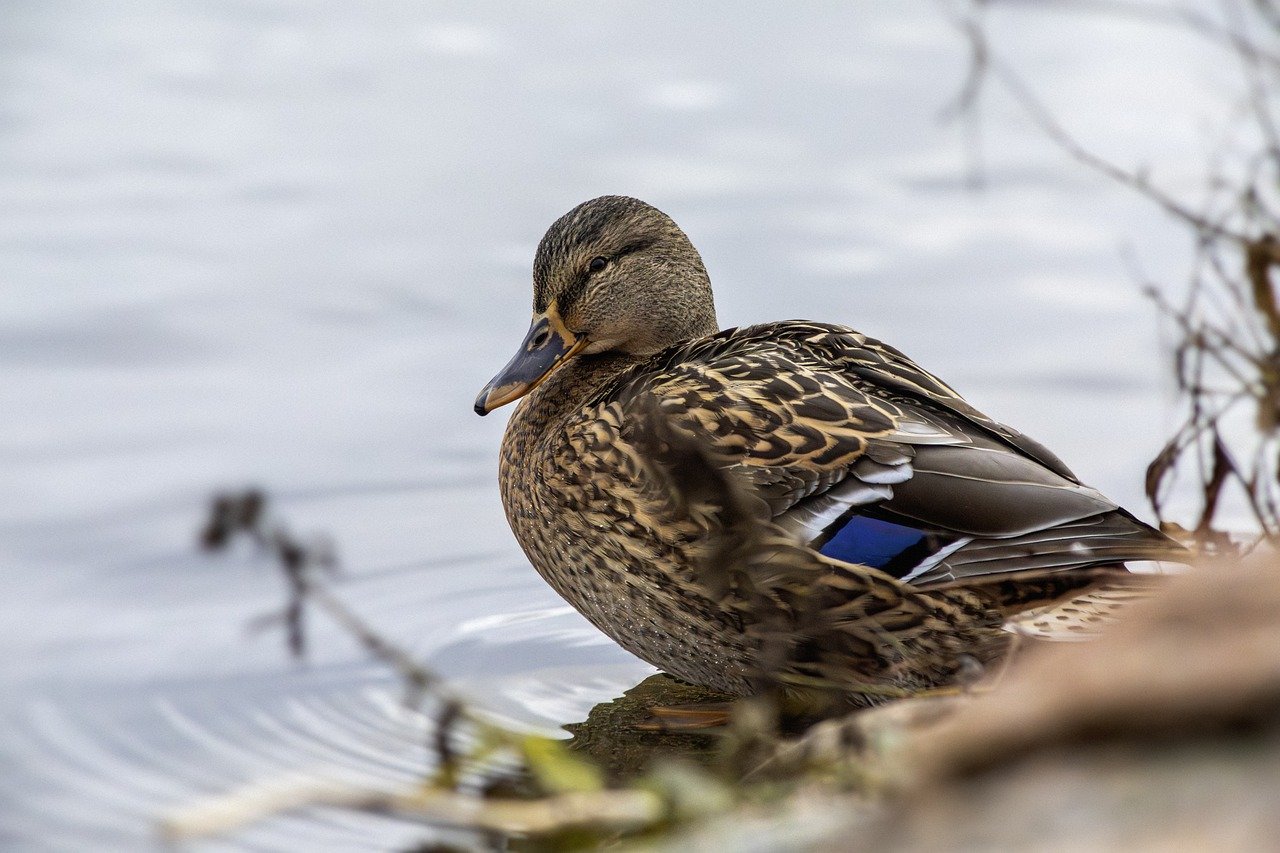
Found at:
<point>285,244</point>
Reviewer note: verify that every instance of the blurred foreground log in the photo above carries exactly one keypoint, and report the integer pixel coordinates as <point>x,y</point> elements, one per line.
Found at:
<point>1163,735</point>
<point>1201,660</point>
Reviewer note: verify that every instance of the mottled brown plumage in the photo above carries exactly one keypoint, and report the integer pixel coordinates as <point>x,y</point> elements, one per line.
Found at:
<point>685,488</point>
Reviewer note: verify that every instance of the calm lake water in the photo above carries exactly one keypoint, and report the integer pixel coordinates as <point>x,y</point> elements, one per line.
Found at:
<point>285,243</point>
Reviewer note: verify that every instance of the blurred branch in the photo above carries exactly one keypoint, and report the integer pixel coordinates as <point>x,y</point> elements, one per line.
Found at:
<point>620,809</point>
<point>546,767</point>
<point>304,564</point>
<point>538,788</point>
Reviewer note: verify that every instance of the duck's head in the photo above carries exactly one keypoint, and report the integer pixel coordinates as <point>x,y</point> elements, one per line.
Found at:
<point>613,275</point>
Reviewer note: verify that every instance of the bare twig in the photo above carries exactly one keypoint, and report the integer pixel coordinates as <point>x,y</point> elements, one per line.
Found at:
<point>612,809</point>
<point>1228,348</point>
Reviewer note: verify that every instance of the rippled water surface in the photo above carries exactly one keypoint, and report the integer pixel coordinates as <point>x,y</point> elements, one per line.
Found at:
<point>285,244</point>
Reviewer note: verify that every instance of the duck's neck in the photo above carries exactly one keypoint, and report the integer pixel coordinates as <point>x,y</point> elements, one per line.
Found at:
<point>563,392</point>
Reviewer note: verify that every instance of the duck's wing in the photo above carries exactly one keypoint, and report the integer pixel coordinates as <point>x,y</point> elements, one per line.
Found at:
<point>869,459</point>
<point>817,623</point>
<point>821,624</point>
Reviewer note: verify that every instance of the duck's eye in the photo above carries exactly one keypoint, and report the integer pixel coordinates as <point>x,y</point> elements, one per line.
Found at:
<point>597,264</point>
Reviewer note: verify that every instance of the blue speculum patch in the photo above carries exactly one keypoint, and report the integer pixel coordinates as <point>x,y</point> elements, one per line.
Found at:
<point>870,541</point>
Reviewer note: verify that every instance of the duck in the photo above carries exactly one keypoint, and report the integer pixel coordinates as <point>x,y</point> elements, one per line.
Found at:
<point>791,505</point>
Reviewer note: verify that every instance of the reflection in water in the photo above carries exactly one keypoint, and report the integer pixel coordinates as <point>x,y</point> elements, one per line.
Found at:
<point>619,735</point>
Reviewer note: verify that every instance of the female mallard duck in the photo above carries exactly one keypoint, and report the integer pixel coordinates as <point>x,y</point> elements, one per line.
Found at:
<point>791,501</point>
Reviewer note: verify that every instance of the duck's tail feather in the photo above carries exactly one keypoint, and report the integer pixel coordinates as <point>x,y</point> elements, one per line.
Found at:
<point>1056,604</point>
<point>1110,538</point>
<point>1084,616</point>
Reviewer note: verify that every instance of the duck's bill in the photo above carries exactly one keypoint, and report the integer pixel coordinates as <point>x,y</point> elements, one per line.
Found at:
<point>545,348</point>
